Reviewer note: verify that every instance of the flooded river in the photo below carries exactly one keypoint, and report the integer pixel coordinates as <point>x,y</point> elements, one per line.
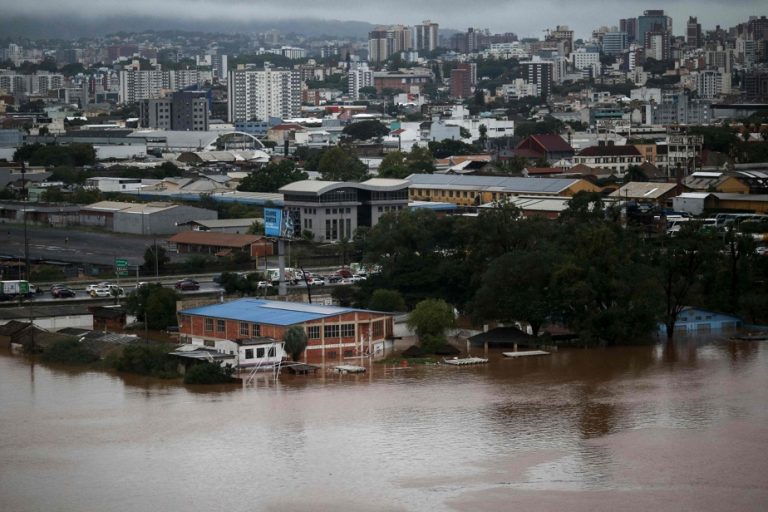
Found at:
<point>631,429</point>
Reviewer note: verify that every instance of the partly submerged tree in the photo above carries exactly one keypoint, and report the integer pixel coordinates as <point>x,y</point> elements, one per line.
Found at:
<point>295,341</point>
<point>429,320</point>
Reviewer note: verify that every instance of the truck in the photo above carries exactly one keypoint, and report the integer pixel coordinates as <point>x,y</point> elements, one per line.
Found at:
<point>13,289</point>
<point>291,275</point>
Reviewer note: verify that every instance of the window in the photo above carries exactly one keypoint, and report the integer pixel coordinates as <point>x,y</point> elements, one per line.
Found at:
<point>255,330</point>
<point>331,331</point>
<point>313,332</point>
<point>377,330</point>
<point>260,352</point>
<point>272,351</point>
<point>209,343</point>
<point>209,324</point>
<point>347,330</point>
<point>248,353</point>
<point>220,325</point>
<point>244,331</point>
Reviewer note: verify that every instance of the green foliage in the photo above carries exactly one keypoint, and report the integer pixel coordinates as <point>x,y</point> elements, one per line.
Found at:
<point>197,262</point>
<point>716,138</point>
<point>46,274</point>
<point>295,341</point>
<point>344,295</point>
<point>386,300</point>
<point>549,125</point>
<point>364,130</point>
<point>429,319</point>
<point>76,155</point>
<point>341,164</point>
<point>147,360</point>
<point>209,373</point>
<point>154,304</point>
<point>69,175</point>
<point>400,165</point>
<point>155,259</point>
<point>69,351</point>
<point>448,147</point>
<point>271,177</point>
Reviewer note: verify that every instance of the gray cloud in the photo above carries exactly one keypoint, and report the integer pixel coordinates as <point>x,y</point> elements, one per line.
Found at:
<point>525,17</point>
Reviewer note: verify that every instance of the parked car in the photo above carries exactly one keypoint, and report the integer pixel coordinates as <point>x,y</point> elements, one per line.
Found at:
<point>187,284</point>
<point>63,293</point>
<point>263,284</point>
<point>334,278</point>
<point>316,281</point>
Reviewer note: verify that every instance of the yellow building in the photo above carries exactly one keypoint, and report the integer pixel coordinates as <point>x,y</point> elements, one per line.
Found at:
<point>476,190</point>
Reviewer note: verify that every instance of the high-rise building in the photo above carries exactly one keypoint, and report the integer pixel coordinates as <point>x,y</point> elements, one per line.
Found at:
<point>563,36</point>
<point>138,85</point>
<point>359,76</point>
<point>182,111</point>
<point>652,21</point>
<point>629,25</point>
<point>657,45</point>
<point>693,33</point>
<point>614,43</point>
<point>380,46</point>
<point>461,80</point>
<point>261,94</point>
<point>539,72</point>
<point>425,36</point>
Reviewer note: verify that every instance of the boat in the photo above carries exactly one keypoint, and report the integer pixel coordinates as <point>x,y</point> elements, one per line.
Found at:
<point>348,368</point>
<point>526,353</point>
<point>465,361</point>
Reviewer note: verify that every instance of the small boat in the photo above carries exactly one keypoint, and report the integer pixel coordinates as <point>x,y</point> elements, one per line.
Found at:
<point>465,361</point>
<point>525,353</point>
<point>348,368</point>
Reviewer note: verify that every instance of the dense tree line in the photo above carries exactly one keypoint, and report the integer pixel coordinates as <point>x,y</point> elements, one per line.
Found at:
<point>587,270</point>
<point>76,155</point>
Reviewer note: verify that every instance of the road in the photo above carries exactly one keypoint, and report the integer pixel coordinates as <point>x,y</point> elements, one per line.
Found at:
<point>71,245</point>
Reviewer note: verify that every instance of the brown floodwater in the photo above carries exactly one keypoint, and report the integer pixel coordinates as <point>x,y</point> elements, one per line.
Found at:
<point>630,428</point>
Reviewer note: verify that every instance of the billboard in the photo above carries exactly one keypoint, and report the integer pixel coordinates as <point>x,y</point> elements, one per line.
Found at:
<point>273,222</point>
<point>278,223</point>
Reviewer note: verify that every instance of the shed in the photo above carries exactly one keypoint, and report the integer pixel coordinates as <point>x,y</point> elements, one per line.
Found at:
<point>502,337</point>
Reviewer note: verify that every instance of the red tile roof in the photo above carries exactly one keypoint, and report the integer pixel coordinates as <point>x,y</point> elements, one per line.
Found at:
<point>214,239</point>
<point>552,143</point>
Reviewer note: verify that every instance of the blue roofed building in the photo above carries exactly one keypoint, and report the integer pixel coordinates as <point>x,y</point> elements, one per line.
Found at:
<point>333,332</point>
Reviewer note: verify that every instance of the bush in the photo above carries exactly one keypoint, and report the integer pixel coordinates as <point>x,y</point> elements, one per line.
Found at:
<point>147,360</point>
<point>47,274</point>
<point>69,351</point>
<point>209,373</point>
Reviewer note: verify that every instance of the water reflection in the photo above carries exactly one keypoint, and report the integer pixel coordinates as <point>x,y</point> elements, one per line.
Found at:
<point>407,440</point>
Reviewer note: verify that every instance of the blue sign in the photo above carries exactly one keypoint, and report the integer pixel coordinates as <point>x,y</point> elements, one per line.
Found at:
<point>273,222</point>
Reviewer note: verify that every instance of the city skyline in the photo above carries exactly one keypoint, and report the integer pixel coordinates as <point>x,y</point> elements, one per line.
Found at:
<point>527,19</point>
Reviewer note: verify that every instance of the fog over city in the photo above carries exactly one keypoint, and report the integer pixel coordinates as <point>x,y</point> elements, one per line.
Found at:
<point>525,17</point>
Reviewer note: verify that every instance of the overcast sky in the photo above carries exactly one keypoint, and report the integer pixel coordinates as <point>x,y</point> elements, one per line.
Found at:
<point>524,17</point>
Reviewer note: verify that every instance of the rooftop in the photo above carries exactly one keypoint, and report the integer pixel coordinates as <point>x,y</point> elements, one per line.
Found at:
<point>214,239</point>
<point>502,183</point>
<point>268,311</point>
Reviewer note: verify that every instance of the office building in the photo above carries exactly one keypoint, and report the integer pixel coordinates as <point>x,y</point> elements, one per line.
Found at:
<point>261,94</point>
<point>629,26</point>
<point>461,82</point>
<point>693,33</point>
<point>657,45</point>
<point>615,43</point>
<point>652,21</point>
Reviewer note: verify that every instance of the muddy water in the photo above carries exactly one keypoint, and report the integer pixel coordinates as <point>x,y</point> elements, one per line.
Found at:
<point>631,429</point>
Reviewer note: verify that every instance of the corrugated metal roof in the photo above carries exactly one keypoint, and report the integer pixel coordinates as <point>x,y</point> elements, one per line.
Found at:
<point>268,311</point>
<point>501,183</point>
<point>214,239</point>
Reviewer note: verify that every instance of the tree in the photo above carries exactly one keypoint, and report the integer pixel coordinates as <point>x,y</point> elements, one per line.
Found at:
<point>449,147</point>
<point>295,341</point>
<point>271,177</point>
<point>429,320</point>
<point>368,90</point>
<point>386,300</point>
<point>393,166</point>
<point>154,305</point>
<point>365,130</point>
<point>516,286</point>
<point>679,263</point>
<point>340,164</point>
<point>155,258</point>
<point>209,373</point>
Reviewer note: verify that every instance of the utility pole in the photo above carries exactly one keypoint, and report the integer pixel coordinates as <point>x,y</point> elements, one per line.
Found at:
<point>24,215</point>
